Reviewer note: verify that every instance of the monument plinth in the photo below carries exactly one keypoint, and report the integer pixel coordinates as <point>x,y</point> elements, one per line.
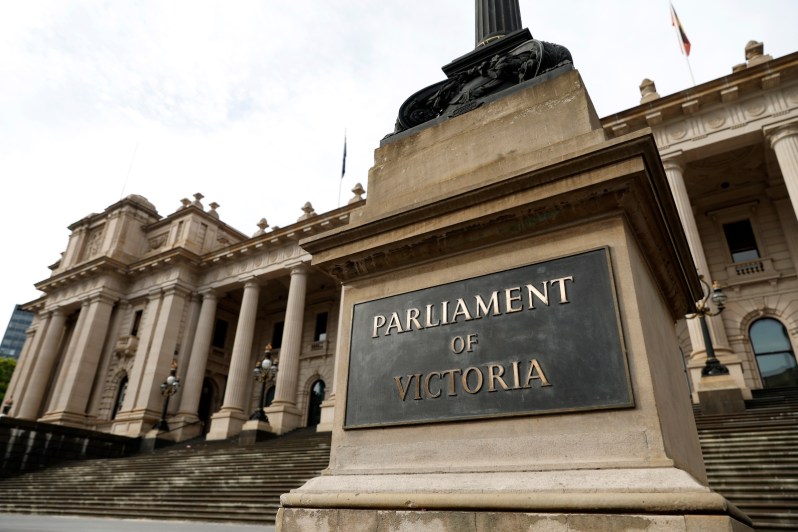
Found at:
<point>507,355</point>
<point>507,358</point>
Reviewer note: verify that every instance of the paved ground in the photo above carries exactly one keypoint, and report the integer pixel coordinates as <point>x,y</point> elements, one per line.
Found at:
<point>44,523</point>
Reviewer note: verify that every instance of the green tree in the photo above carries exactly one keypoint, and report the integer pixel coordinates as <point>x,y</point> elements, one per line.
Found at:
<point>7,366</point>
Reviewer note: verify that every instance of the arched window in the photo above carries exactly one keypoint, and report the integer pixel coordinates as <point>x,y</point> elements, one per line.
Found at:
<point>316,398</point>
<point>774,354</point>
<point>120,396</point>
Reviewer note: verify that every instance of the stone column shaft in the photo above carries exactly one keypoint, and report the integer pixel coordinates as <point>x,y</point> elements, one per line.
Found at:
<point>45,362</point>
<point>675,174</point>
<point>22,372</point>
<point>192,389</point>
<point>230,419</point>
<point>240,364</point>
<point>78,377</point>
<point>162,350</point>
<point>285,393</point>
<point>117,315</point>
<point>57,385</point>
<point>146,330</point>
<point>784,141</point>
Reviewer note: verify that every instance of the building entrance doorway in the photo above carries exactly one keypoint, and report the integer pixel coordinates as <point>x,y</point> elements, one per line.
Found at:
<point>205,405</point>
<point>316,398</point>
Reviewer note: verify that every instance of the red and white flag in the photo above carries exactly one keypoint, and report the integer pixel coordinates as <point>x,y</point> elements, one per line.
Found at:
<point>684,42</point>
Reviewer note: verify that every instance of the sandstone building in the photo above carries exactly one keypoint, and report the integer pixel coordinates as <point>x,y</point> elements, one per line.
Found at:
<point>135,290</point>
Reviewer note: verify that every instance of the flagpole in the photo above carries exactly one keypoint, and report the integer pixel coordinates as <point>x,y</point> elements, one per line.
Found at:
<point>343,171</point>
<point>690,69</point>
<point>684,42</point>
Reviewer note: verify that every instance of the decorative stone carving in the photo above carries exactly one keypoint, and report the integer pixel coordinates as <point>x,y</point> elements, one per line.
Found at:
<point>755,107</point>
<point>94,241</point>
<point>157,241</point>
<point>307,208</point>
<point>677,131</point>
<point>197,203</point>
<point>262,226</point>
<point>213,205</point>
<point>755,53</point>
<point>126,346</point>
<point>648,91</point>
<point>715,119</point>
<point>358,192</point>
<point>465,89</point>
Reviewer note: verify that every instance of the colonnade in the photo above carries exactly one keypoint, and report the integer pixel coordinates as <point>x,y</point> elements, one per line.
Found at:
<point>62,392</point>
<point>783,139</point>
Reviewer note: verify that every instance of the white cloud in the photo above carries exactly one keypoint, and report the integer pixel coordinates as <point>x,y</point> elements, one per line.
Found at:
<point>247,101</point>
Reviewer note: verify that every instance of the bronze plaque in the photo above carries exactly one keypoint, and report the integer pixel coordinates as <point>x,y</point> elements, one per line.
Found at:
<point>538,339</point>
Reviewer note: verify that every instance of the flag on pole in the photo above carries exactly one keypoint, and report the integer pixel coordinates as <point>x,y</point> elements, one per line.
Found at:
<point>684,42</point>
<point>343,164</point>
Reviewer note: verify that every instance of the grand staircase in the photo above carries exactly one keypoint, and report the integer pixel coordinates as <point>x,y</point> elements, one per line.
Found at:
<point>194,480</point>
<point>752,457</point>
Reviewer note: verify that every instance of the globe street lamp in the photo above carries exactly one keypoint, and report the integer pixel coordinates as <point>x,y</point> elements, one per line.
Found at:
<point>265,370</point>
<point>168,388</point>
<point>718,298</point>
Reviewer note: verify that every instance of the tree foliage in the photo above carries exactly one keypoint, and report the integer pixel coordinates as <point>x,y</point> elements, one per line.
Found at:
<point>7,366</point>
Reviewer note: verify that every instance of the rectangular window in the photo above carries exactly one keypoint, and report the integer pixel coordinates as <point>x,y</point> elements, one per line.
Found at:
<point>134,329</point>
<point>320,332</point>
<point>277,335</point>
<point>741,240</point>
<point>219,333</point>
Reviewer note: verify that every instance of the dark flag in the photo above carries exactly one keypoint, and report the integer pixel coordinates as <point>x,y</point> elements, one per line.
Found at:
<point>683,40</point>
<point>343,164</point>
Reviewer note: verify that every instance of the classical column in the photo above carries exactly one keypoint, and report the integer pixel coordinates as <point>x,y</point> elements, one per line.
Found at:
<point>45,362</point>
<point>77,379</point>
<point>496,18</point>
<point>146,330</point>
<point>65,361</point>
<point>197,362</point>
<point>784,141</point>
<point>328,407</point>
<point>229,420</point>
<point>19,379</point>
<point>283,413</point>
<point>153,359</point>
<point>120,310</point>
<point>675,174</point>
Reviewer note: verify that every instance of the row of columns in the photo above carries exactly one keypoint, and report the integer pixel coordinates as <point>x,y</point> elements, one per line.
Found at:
<point>784,141</point>
<point>158,336</point>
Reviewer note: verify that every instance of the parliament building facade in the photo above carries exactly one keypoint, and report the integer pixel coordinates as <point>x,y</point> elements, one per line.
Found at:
<point>136,293</point>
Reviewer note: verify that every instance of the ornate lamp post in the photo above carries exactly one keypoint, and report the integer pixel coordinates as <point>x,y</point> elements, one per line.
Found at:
<point>718,298</point>
<point>265,370</point>
<point>168,388</point>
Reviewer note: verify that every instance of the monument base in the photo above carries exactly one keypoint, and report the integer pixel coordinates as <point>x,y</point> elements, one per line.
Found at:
<point>254,431</point>
<point>719,394</point>
<point>658,498</point>
<point>484,521</point>
<point>568,248</point>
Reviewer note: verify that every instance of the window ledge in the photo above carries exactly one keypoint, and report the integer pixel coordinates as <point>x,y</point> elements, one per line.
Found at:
<point>751,271</point>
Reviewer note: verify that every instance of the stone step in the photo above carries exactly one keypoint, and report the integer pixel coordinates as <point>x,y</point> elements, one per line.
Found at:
<point>214,482</point>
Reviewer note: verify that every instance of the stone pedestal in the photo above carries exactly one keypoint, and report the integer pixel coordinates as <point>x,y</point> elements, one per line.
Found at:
<point>155,439</point>
<point>283,418</point>
<point>327,416</point>
<point>185,426</point>
<point>226,424</point>
<point>255,431</point>
<point>720,394</point>
<point>516,185</point>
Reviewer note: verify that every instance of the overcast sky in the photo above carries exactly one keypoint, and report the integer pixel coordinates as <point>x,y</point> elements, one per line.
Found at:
<point>247,101</point>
